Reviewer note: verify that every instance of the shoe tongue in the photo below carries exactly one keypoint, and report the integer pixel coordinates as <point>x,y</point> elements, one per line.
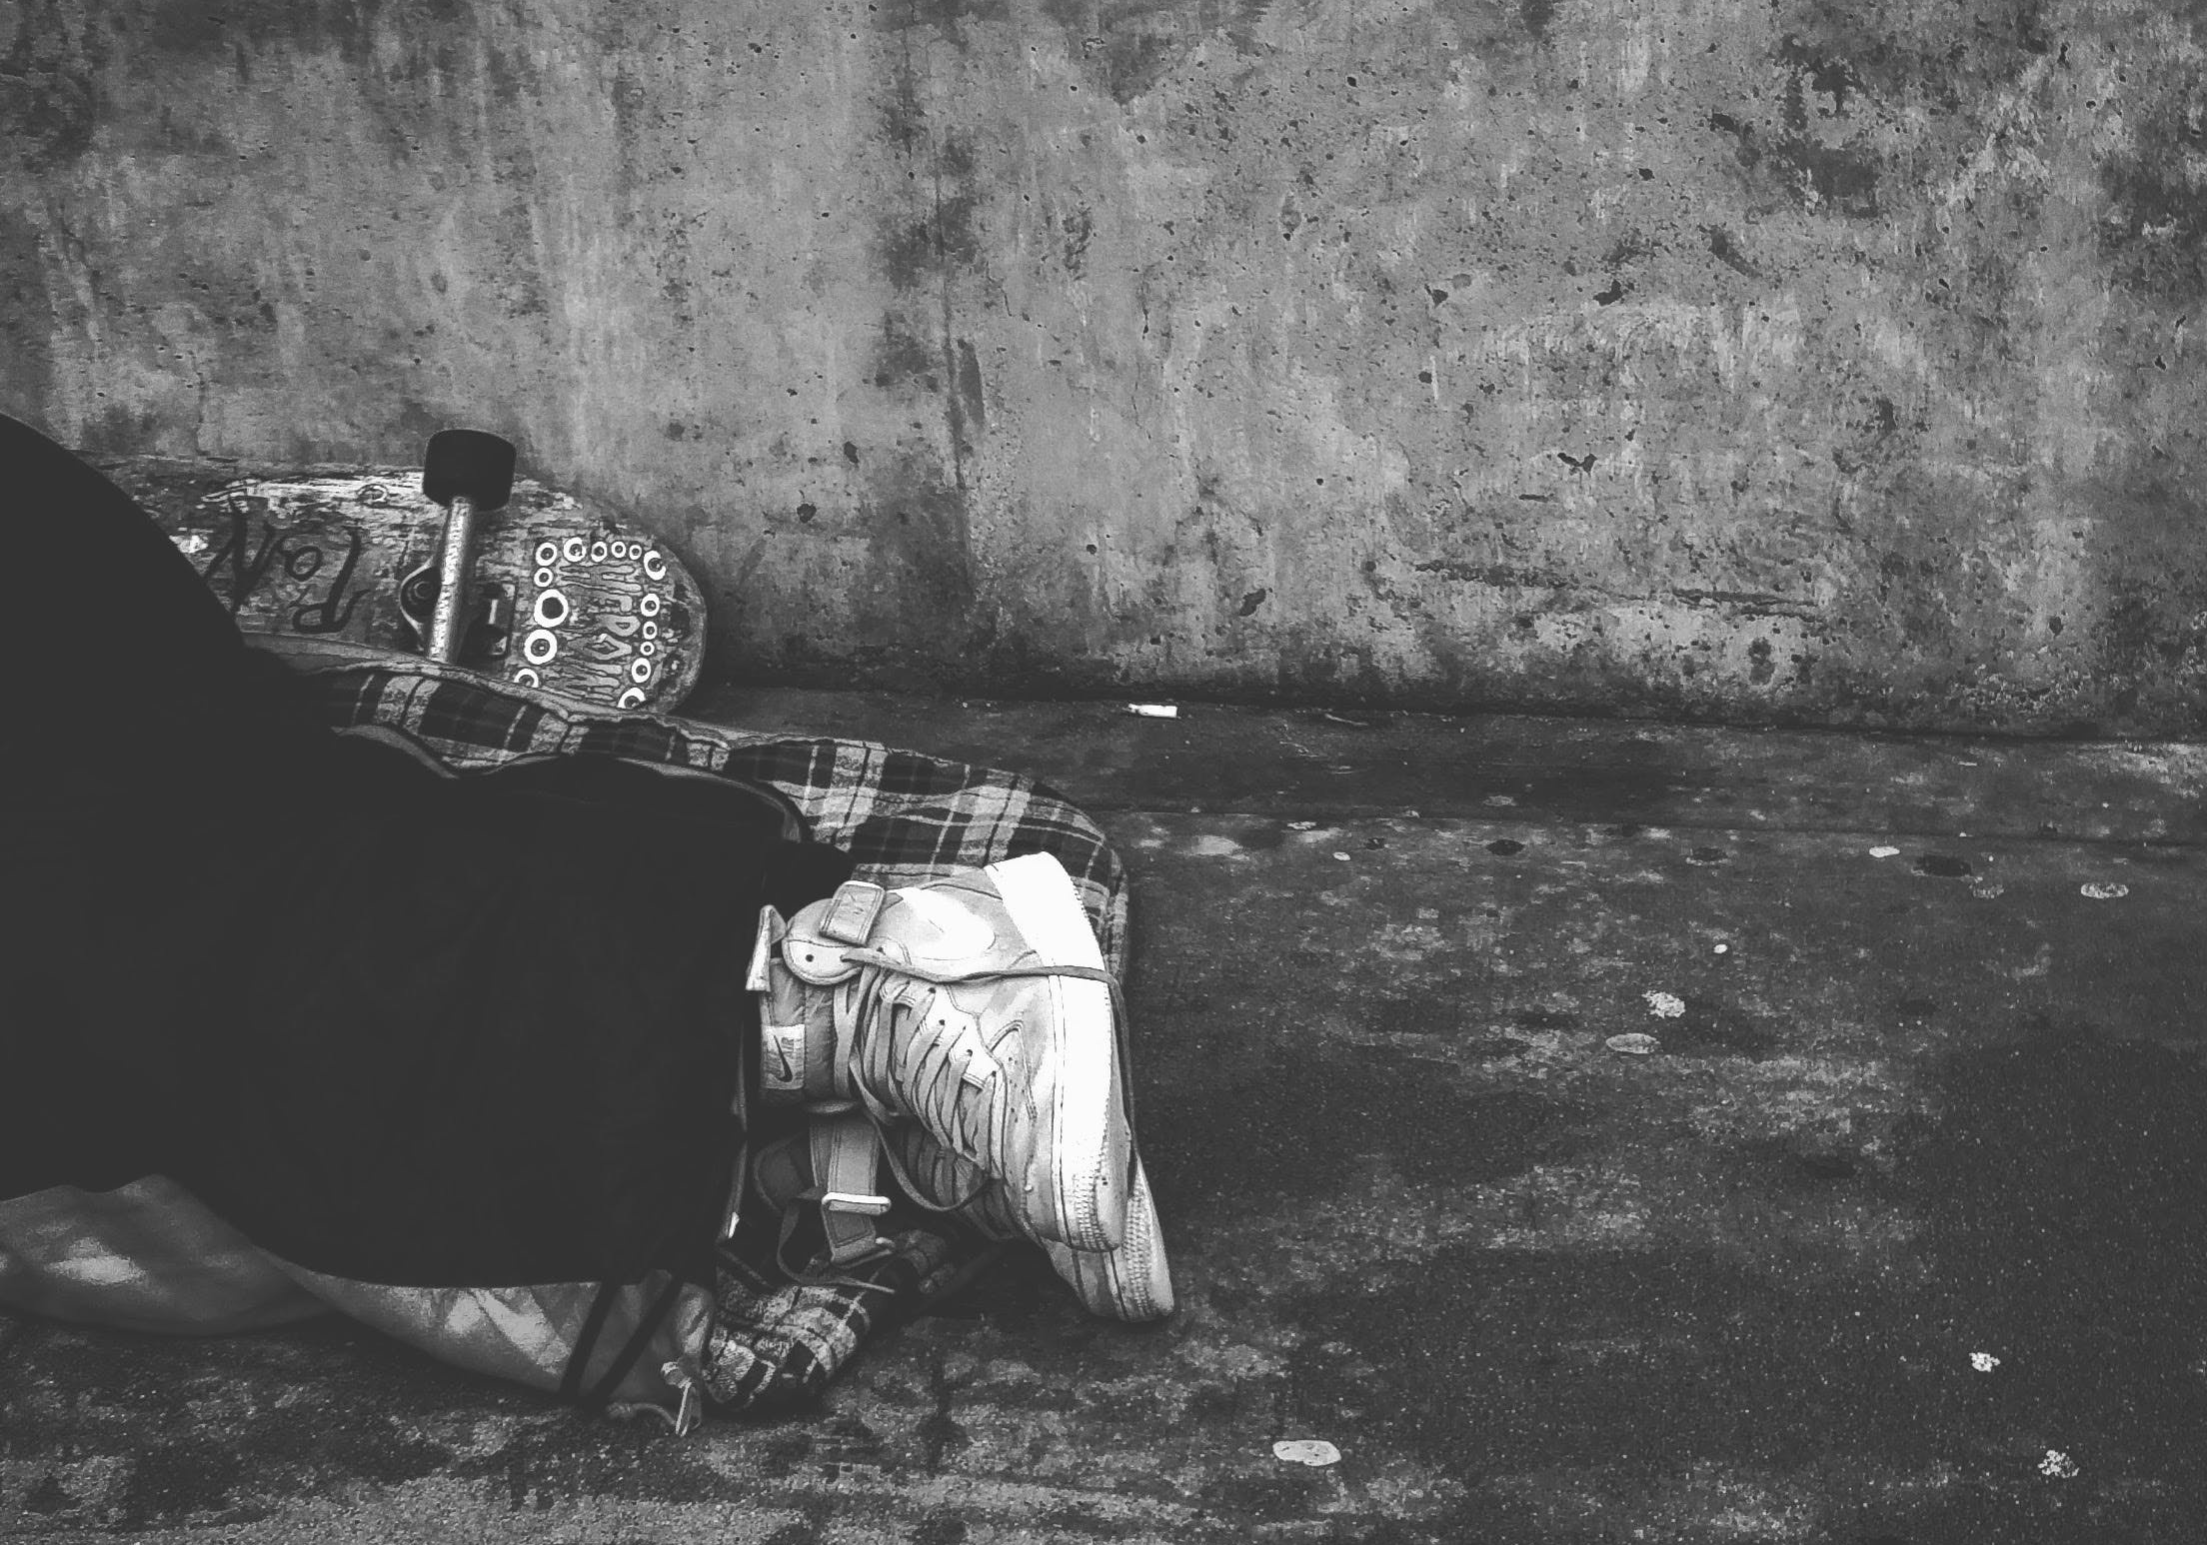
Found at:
<point>961,935</point>
<point>931,923</point>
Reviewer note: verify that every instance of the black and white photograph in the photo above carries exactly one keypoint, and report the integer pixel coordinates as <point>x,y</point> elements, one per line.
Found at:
<point>1104,772</point>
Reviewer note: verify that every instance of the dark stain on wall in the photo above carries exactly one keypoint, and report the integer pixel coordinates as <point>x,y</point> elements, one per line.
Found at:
<point>1125,46</point>
<point>26,316</point>
<point>918,545</point>
<point>902,355</point>
<point>1754,363</point>
<point>2152,232</point>
<point>49,105</point>
<point>973,413</point>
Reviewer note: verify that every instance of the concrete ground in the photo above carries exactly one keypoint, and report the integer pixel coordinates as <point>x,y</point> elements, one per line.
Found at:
<point>1895,1236</point>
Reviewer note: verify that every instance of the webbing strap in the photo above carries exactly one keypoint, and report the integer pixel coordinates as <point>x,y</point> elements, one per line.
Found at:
<point>578,1361</point>
<point>846,1169</point>
<point>633,1348</point>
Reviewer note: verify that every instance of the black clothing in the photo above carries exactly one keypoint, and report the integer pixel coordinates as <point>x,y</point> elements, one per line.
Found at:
<point>392,1026</point>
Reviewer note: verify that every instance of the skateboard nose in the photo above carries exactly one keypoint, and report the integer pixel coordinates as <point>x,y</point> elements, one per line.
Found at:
<point>468,462</point>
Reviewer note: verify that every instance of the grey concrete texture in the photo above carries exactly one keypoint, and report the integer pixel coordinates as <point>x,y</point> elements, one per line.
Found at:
<point>1895,1236</point>
<point>1833,362</point>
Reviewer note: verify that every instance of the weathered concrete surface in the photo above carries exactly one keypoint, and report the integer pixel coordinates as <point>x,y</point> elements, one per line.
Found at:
<point>1910,1110</point>
<point>1215,758</point>
<point>1839,362</point>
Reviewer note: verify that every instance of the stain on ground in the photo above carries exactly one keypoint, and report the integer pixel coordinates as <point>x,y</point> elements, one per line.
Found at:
<point>1708,1028</point>
<point>2064,1243</point>
<point>1303,1125</point>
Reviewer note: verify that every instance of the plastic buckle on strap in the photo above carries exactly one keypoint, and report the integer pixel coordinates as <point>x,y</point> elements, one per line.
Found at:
<point>851,912</point>
<point>854,1201</point>
<point>689,1410</point>
<point>846,1154</point>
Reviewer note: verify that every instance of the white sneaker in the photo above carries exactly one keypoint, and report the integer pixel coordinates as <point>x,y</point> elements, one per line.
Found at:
<point>976,1006</point>
<point>1132,1282</point>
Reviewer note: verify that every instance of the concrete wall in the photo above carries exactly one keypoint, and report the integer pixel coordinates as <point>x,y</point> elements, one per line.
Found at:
<point>1833,361</point>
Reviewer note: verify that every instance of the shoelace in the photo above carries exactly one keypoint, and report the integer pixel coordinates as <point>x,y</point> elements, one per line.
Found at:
<point>933,1171</point>
<point>897,1046</point>
<point>944,1097</point>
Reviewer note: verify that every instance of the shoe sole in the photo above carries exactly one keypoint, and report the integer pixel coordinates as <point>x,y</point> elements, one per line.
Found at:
<point>1132,1283</point>
<point>1089,1141</point>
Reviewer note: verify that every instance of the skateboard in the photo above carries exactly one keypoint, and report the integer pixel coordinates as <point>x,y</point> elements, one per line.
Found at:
<point>550,593</point>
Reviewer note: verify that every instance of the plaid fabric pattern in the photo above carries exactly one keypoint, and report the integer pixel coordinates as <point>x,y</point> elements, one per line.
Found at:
<point>903,816</point>
<point>775,1345</point>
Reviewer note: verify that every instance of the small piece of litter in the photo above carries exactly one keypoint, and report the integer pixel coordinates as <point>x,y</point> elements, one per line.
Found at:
<point>1984,1362</point>
<point>1883,852</point>
<point>2100,892</point>
<point>1634,1044</point>
<point>2058,1465</point>
<point>1155,710</point>
<point>1499,801</point>
<point>1987,892</point>
<point>1303,826</point>
<point>1663,1005</point>
<point>1344,857</point>
<point>1306,1451</point>
<point>1720,949</point>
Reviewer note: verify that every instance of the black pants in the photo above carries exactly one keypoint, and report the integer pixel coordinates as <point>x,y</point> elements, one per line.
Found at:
<point>392,1026</point>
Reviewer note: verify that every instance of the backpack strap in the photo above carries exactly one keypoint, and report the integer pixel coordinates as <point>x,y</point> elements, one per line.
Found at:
<point>586,1339</point>
<point>846,1153</point>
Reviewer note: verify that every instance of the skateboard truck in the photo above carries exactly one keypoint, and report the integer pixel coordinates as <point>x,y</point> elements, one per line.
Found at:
<point>490,631</point>
<point>470,473</point>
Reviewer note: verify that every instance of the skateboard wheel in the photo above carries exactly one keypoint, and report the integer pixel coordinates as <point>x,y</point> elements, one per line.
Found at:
<point>527,678</point>
<point>540,646</point>
<point>543,577</point>
<point>632,698</point>
<point>598,552</point>
<point>649,606</point>
<point>651,630</point>
<point>548,553</point>
<point>574,549</point>
<point>640,669</point>
<point>550,611</point>
<point>469,463</point>
<point>647,648</point>
<point>655,567</point>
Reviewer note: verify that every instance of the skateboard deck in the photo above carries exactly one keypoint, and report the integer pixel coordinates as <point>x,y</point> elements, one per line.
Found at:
<point>565,599</point>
